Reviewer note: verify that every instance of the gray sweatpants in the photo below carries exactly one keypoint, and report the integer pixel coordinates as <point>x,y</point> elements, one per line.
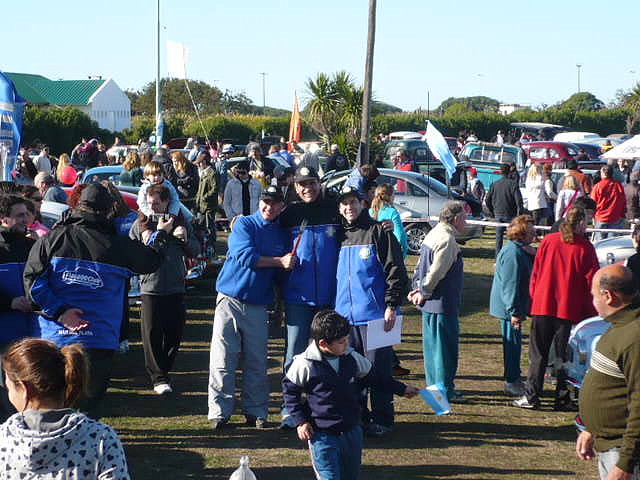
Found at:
<point>238,327</point>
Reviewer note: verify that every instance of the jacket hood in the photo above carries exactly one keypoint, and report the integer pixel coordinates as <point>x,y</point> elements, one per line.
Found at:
<point>43,449</point>
<point>91,220</point>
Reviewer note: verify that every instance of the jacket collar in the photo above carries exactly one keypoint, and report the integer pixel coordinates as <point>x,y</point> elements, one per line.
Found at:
<point>364,220</point>
<point>628,314</point>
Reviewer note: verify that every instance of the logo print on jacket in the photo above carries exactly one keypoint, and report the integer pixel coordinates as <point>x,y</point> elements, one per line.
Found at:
<point>82,276</point>
<point>365,252</point>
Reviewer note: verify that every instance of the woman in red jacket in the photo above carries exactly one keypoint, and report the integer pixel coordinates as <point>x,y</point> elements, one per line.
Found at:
<point>560,292</point>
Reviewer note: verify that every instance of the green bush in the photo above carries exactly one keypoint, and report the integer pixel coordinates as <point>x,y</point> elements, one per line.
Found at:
<point>60,128</point>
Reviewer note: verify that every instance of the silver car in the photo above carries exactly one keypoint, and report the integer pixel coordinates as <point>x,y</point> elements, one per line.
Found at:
<point>416,197</point>
<point>614,249</point>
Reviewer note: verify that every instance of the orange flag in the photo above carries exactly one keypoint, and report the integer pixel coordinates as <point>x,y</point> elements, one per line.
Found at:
<point>295,126</point>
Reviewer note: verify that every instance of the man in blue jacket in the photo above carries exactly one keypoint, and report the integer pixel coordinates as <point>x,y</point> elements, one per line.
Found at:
<point>311,286</point>
<point>16,312</point>
<point>372,282</point>
<point>76,275</point>
<point>258,251</point>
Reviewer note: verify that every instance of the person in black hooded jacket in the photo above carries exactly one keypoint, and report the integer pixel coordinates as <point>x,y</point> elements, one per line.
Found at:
<point>76,275</point>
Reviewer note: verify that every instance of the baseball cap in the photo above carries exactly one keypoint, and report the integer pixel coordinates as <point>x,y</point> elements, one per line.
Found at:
<point>96,197</point>
<point>473,171</point>
<point>272,193</point>
<point>348,191</point>
<point>306,173</point>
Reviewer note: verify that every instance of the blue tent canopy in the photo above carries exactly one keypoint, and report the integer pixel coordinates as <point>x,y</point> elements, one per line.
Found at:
<point>11,115</point>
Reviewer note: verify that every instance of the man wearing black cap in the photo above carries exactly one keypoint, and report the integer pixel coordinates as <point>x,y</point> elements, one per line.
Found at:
<point>311,285</point>
<point>76,275</point>
<point>258,251</point>
<point>372,284</point>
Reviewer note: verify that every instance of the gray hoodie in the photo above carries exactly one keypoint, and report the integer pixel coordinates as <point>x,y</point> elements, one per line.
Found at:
<point>51,444</point>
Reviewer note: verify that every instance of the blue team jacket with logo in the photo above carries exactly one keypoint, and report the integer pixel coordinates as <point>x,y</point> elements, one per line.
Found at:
<point>84,264</point>
<point>371,273</point>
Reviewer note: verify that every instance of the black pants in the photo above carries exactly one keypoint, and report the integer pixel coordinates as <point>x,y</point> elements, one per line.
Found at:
<point>163,318</point>
<point>100,368</point>
<point>543,331</point>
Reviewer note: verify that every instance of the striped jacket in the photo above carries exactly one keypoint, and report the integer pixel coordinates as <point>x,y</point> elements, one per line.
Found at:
<point>610,394</point>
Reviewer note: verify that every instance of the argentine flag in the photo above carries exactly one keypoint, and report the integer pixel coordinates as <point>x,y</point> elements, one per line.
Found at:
<point>439,148</point>
<point>435,397</point>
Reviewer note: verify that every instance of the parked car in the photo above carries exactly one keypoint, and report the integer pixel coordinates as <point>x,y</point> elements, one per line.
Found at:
<point>417,197</point>
<point>574,136</point>
<point>538,130</point>
<point>601,141</point>
<point>590,149</point>
<point>555,152</point>
<point>418,151</point>
<point>488,157</point>
<point>614,249</point>
<point>582,342</point>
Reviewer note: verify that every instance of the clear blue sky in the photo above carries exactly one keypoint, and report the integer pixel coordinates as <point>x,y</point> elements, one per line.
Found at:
<point>521,52</point>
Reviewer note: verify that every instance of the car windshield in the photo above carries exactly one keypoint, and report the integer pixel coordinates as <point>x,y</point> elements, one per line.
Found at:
<point>492,155</point>
<point>113,177</point>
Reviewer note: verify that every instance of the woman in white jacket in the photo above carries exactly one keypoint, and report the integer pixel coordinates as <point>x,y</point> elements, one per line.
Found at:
<point>535,193</point>
<point>571,191</point>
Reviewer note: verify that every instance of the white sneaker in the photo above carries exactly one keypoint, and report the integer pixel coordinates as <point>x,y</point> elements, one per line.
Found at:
<point>162,388</point>
<point>514,389</point>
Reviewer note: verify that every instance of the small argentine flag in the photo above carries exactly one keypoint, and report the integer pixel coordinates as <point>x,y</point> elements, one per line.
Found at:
<point>435,397</point>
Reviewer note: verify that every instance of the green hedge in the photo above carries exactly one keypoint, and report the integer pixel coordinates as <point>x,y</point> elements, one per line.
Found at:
<point>60,128</point>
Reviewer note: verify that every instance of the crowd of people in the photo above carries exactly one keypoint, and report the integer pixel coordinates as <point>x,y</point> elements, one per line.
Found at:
<point>333,263</point>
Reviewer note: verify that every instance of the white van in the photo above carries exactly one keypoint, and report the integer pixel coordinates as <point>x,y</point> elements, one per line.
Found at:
<point>574,136</point>
<point>405,136</point>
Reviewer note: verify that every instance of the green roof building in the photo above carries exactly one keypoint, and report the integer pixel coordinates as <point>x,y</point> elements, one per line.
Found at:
<point>99,98</point>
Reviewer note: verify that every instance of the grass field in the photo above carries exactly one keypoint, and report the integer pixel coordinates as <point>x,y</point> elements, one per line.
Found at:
<point>170,438</point>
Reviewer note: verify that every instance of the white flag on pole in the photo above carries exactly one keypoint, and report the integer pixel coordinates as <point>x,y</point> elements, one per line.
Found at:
<point>439,148</point>
<point>177,55</point>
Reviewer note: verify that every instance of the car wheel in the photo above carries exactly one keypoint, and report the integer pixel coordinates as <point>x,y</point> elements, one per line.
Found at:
<point>415,236</point>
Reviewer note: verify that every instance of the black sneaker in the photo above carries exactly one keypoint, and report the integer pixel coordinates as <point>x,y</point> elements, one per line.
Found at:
<point>219,423</point>
<point>256,422</point>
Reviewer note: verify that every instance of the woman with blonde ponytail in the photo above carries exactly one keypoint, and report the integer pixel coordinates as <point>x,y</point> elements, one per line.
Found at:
<point>47,439</point>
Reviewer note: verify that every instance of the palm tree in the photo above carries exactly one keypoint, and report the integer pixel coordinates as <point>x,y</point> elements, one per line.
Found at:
<point>321,109</point>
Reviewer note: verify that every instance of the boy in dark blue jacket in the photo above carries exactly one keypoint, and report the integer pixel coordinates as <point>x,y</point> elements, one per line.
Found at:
<point>331,375</point>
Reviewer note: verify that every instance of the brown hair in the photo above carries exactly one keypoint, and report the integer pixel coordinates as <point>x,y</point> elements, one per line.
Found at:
<point>49,372</point>
<point>132,161</point>
<point>153,168</point>
<point>517,229</point>
<point>74,197</point>
<point>145,157</point>
<point>574,216</point>
<point>120,207</point>
<point>181,162</point>
<point>160,190</point>
<point>381,197</point>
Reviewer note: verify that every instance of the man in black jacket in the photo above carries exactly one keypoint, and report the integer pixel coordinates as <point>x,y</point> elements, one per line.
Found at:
<point>76,275</point>
<point>504,202</point>
<point>16,312</point>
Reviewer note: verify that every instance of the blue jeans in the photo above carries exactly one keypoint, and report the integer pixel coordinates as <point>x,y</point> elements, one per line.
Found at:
<point>511,350</point>
<point>337,457</point>
<point>298,318</point>
<point>607,460</point>
<point>603,235</point>
<point>440,349</point>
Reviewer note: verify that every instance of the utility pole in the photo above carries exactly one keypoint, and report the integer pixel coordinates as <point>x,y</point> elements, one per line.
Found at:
<point>264,93</point>
<point>158,111</point>
<point>363,150</point>
<point>579,65</point>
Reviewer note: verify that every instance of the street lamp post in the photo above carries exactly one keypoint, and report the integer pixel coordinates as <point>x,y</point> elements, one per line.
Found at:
<point>579,65</point>
<point>264,93</point>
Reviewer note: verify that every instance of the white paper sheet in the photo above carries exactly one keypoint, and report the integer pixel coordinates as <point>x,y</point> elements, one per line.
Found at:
<point>378,338</point>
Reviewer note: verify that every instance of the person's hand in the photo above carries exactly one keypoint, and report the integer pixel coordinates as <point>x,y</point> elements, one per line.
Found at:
<point>584,446</point>
<point>416,297</point>
<point>21,304</point>
<point>305,431</point>
<point>387,225</point>
<point>72,320</point>
<point>516,322</point>
<point>616,473</point>
<point>411,391</point>
<point>166,225</point>
<point>389,318</point>
<point>180,232</point>
<point>289,261</point>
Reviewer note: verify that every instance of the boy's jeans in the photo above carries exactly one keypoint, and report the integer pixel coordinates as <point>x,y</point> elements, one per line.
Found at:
<point>337,457</point>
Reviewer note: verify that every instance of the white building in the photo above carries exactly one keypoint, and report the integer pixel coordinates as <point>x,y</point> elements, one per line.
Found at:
<point>101,99</point>
<point>509,108</point>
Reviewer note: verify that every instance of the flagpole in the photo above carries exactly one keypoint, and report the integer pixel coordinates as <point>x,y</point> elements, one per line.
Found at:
<point>158,112</point>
